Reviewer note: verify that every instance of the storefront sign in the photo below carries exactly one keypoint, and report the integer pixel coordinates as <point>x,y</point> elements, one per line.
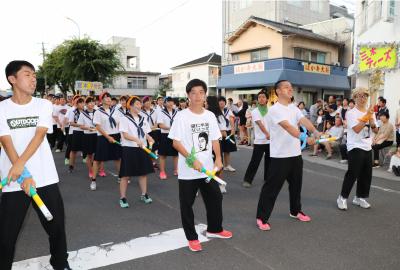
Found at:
<point>88,86</point>
<point>371,57</point>
<point>249,68</point>
<point>317,68</point>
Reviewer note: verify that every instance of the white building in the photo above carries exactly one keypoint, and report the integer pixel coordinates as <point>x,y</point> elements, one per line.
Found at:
<point>206,68</point>
<point>377,23</point>
<point>132,81</point>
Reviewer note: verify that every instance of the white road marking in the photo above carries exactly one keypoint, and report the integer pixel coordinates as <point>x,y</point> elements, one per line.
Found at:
<point>110,253</point>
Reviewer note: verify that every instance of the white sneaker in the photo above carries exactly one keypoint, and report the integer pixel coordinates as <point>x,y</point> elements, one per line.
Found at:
<point>93,186</point>
<point>341,203</point>
<point>222,188</point>
<point>343,161</point>
<point>361,202</point>
<point>229,168</point>
<point>58,150</point>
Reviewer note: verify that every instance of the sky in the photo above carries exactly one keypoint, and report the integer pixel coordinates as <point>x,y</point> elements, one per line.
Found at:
<point>168,32</point>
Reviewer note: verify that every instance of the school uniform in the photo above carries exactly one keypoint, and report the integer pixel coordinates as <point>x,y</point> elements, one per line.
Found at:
<point>151,118</point>
<point>224,125</point>
<point>167,118</point>
<point>20,122</point>
<point>108,121</point>
<point>68,130</point>
<point>76,132</point>
<point>89,136</point>
<point>135,161</point>
<point>60,113</point>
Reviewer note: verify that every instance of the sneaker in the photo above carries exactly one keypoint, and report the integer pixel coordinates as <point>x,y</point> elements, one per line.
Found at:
<point>195,246</point>
<point>146,199</point>
<point>376,165</point>
<point>123,203</point>
<point>301,216</point>
<point>93,186</point>
<point>246,184</point>
<point>263,226</point>
<point>58,150</point>
<point>163,175</point>
<point>102,173</point>
<point>84,161</point>
<point>328,157</point>
<point>222,188</point>
<point>66,162</point>
<point>229,168</point>
<point>361,202</point>
<point>223,235</point>
<point>341,203</point>
<point>343,161</point>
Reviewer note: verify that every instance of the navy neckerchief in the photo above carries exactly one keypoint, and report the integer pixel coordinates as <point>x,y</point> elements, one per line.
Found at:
<point>171,118</point>
<point>76,115</point>
<point>139,126</point>
<point>111,119</point>
<point>86,113</point>
<point>149,118</point>
<point>226,112</point>
<point>122,110</point>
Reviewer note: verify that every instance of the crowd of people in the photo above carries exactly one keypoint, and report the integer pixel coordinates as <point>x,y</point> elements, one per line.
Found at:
<point>199,133</point>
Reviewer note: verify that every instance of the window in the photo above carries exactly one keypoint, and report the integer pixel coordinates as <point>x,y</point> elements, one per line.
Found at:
<point>259,55</point>
<point>137,83</point>
<point>392,8</point>
<point>235,57</point>
<point>297,3</point>
<point>308,55</point>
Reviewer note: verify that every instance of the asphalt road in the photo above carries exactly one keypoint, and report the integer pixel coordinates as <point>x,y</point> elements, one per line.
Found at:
<point>356,239</point>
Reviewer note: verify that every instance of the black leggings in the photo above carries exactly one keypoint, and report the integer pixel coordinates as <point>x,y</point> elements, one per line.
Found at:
<point>378,147</point>
<point>13,208</point>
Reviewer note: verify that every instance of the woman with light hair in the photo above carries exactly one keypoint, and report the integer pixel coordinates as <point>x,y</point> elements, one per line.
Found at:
<point>361,123</point>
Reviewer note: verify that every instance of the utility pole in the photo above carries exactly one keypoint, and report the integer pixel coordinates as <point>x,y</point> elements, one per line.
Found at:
<point>45,76</point>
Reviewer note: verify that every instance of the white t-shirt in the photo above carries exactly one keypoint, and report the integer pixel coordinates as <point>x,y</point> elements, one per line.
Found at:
<point>224,119</point>
<point>282,143</point>
<point>336,131</point>
<point>102,117</point>
<point>198,131</point>
<point>73,116</point>
<point>150,116</point>
<point>86,119</point>
<point>166,117</point>
<point>20,122</point>
<point>127,124</point>
<point>363,139</point>
<point>60,113</point>
<point>259,136</point>
<point>55,109</point>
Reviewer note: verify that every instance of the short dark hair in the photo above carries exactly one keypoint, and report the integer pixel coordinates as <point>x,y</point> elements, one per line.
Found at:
<point>123,98</point>
<point>278,83</point>
<point>13,67</point>
<point>182,100</point>
<point>352,101</point>
<point>80,100</point>
<point>114,99</point>
<point>383,100</point>
<point>384,113</point>
<point>194,83</point>
<point>263,92</point>
<point>89,99</point>
<point>222,99</point>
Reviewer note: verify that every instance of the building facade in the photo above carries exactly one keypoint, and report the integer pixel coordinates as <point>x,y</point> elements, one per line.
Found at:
<point>377,30</point>
<point>206,68</point>
<point>264,51</point>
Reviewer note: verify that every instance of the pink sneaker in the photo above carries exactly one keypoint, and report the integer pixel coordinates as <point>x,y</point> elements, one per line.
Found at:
<point>263,226</point>
<point>102,173</point>
<point>301,216</point>
<point>163,175</point>
<point>195,245</point>
<point>224,234</point>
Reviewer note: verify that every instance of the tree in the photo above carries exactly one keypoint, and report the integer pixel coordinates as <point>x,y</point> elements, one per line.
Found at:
<point>81,60</point>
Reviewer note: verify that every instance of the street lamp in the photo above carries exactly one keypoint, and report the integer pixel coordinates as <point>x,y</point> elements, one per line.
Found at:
<point>77,25</point>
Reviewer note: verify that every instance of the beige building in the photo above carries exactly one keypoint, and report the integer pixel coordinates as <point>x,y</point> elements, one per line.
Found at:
<point>263,52</point>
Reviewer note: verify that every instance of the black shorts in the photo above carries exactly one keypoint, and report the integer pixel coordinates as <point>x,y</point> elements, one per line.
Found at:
<point>135,162</point>
<point>165,148</point>
<point>106,151</point>
<point>155,134</point>
<point>77,141</point>
<point>89,143</point>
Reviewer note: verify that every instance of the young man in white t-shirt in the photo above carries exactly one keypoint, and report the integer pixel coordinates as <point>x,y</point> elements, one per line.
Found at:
<point>283,120</point>
<point>24,122</point>
<point>196,130</point>
<point>261,140</point>
<point>360,122</point>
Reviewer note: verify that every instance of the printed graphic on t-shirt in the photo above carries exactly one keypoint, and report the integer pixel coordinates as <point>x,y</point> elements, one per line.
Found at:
<point>200,134</point>
<point>366,132</point>
<point>63,111</point>
<point>23,122</point>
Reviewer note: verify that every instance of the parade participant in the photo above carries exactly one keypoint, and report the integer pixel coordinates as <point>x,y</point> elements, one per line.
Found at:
<point>24,145</point>
<point>165,118</point>
<point>261,140</point>
<point>135,161</point>
<point>122,109</point>
<point>70,129</point>
<point>361,123</point>
<point>51,137</point>
<point>226,123</point>
<point>182,104</point>
<point>196,130</point>
<point>85,122</point>
<point>286,162</point>
<point>108,136</point>
<point>160,104</point>
<point>76,132</point>
<point>59,116</point>
<point>150,116</point>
